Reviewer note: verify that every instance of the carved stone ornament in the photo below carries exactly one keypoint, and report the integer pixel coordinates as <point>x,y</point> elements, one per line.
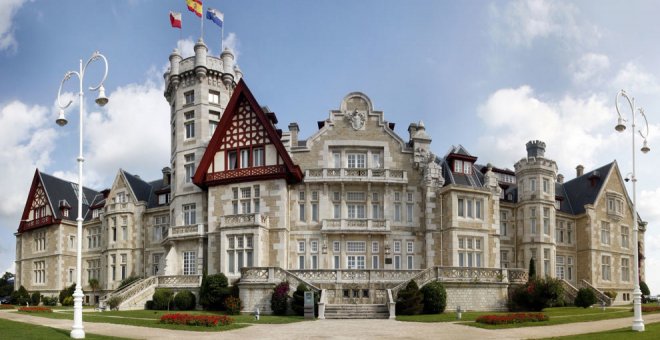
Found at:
<point>356,118</point>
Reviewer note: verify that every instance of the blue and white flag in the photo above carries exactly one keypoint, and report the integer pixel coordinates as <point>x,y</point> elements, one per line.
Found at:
<point>215,16</point>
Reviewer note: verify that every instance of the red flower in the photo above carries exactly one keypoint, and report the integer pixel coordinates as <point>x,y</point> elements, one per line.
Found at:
<point>35,309</point>
<point>196,320</point>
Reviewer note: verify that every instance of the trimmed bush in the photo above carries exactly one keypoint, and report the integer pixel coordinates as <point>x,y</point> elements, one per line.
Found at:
<point>114,302</point>
<point>49,300</point>
<point>68,301</point>
<point>234,305</point>
<point>645,291</point>
<point>585,298</point>
<point>434,298</point>
<point>409,300</point>
<point>298,299</point>
<point>535,295</point>
<point>532,269</point>
<point>35,298</point>
<point>20,297</point>
<point>67,292</point>
<point>214,291</point>
<point>280,298</point>
<point>611,294</point>
<point>149,305</point>
<point>184,300</point>
<point>162,299</point>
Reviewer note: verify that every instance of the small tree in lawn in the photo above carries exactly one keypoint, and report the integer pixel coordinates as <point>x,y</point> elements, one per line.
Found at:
<point>280,298</point>
<point>409,300</point>
<point>94,285</point>
<point>435,297</point>
<point>584,298</point>
<point>532,269</point>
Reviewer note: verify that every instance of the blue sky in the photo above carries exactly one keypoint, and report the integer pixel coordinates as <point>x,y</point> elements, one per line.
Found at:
<point>489,75</point>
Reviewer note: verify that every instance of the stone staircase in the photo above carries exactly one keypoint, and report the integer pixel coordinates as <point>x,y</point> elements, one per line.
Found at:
<point>356,311</point>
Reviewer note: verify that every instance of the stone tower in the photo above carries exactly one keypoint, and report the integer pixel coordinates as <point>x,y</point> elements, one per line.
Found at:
<point>536,176</point>
<point>198,89</point>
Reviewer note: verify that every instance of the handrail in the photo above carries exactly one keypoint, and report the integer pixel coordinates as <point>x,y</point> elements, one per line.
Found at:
<point>391,304</point>
<point>424,274</point>
<point>323,300</point>
<point>599,294</point>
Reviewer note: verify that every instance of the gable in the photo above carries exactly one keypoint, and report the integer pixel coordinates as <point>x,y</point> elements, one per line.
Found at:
<point>38,210</point>
<point>245,146</point>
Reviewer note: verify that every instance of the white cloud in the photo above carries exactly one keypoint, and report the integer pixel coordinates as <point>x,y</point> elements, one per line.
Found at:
<point>634,79</point>
<point>8,9</point>
<point>231,42</point>
<point>523,21</point>
<point>649,200</point>
<point>590,68</point>
<point>186,47</point>
<point>27,140</point>
<point>128,134</point>
<point>570,127</point>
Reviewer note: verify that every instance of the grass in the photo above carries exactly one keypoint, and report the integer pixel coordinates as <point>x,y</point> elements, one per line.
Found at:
<point>150,318</point>
<point>29,331</point>
<point>557,316</point>
<point>652,331</point>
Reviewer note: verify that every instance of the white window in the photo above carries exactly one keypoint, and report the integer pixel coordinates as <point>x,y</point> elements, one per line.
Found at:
<point>315,262</point>
<point>374,261</point>
<point>190,167</point>
<point>397,212</point>
<point>504,258</point>
<point>409,213</point>
<point>503,223</point>
<point>467,168</point>
<point>232,160</point>
<point>458,166</point>
<point>397,261</point>
<point>356,246</point>
<point>546,262</point>
<point>569,268</point>
<point>189,97</point>
<point>336,262</point>
<point>532,184</point>
<point>397,246</point>
<point>560,232</point>
<point>374,246</point>
<point>569,233</point>
<point>546,221</point>
<point>314,246</point>
<point>532,221</point>
<point>605,233</point>
<point>357,160</point>
<point>301,246</point>
<point>39,276</point>
<point>546,185</point>
<point>336,246</point>
<point>245,158</point>
<point>214,97</point>
<point>124,233</point>
<point>560,267</point>
<point>478,206</point>
<point>336,160</point>
<point>301,262</point>
<point>72,242</point>
<point>189,214</point>
<point>470,252</point>
<point>375,161</point>
<point>189,263</point>
<point>315,212</point>
<point>155,263</point>
<point>336,210</point>
<point>409,247</point>
<point>70,277</point>
<point>258,157</point>
<point>625,269</point>
<point>606,268</point>
<point>461,207</point>
<point>410,262</point>
<point>625,236</point>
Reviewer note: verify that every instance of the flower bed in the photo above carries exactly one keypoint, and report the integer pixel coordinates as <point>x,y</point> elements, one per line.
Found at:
<point>7,307</point>
<point>35,309</point>
<point>196,320</point>
<point>512,318</point>
<point>650,309</point>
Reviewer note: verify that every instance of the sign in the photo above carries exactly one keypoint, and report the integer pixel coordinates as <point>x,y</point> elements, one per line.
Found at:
<point>309,304</point>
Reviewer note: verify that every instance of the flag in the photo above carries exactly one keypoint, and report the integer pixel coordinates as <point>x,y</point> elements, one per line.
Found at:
<point>215,16</point>
<point>175,19</point>
<point>195,6</point>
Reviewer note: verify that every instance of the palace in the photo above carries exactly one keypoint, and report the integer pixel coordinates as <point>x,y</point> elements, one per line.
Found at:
<point>355,209</point>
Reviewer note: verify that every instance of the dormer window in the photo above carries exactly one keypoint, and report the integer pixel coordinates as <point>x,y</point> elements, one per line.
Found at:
<point>65,212</point>
<point>462,167</point>
<point>467,168</point>
<point>357,160</point>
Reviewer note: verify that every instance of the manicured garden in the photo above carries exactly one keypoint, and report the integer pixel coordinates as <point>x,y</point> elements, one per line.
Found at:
<point>36,332</point>
<point>651,332</point>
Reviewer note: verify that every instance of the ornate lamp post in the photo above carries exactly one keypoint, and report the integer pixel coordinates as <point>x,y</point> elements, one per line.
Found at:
<point>77,331</point>
<point>638,322</point>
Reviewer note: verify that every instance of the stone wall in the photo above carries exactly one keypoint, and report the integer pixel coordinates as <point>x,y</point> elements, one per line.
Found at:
<point>477,296</point>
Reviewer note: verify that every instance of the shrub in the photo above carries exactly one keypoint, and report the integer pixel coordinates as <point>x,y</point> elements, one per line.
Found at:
<point>49,300</point>
<point>234,305</point>
<point>611,294</point>
<point>196,320</point>
<point>649,309</point>
<point>184,300</point>
<point>645,291</point>
<point>409,300</point>
<point>35,309</point>
<point>20,297</point>
<point>7,306</point>
<point>67,292</point>
<point>114,302</point>
<point>434,298</point>
<point>585,298</point>
<point>162,298</point>
<point>127,281</point>
<point>536,294</point>
<point>68,301</point>
<point>532,269</point>
<point>149,305</point>
<point>512,318</point>
<point>298,299</point>
<point>213,292</point>
<point>280,298</point>
<point>35,298</point>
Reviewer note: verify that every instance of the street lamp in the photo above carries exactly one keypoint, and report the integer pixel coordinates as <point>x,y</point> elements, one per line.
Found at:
<point>77,331</point>
<point>638,322</point>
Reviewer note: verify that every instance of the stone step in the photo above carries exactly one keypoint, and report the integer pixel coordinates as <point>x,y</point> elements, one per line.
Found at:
<point>356,311</point>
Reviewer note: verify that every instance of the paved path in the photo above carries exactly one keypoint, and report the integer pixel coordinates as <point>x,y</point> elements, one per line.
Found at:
<point>342,329</point>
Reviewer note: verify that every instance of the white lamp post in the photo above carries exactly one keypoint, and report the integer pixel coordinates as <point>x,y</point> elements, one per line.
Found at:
<point>77,331</point>
<point>638,322</point>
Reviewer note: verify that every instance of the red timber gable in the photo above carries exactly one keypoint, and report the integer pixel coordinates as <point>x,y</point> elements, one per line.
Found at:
<point>38,211</point>
<point>245,146</point>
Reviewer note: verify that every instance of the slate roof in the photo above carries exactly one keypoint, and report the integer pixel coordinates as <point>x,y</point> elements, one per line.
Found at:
<point>58,189</point>
<point>145,191</point>
<point>475,179</point>
<point>581,191</point>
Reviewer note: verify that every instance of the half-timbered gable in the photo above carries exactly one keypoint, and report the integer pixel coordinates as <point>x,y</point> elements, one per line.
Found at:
<point>246,146</point>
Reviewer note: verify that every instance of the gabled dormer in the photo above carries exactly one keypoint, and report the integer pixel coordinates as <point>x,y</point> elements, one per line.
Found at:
<point>460,161</point>
<point>246,146</point>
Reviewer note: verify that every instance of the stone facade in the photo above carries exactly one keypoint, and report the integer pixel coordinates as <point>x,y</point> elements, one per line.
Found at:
<point>353,197</point>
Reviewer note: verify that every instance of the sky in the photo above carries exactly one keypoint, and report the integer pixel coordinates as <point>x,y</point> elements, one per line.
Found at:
<point>489,75</point>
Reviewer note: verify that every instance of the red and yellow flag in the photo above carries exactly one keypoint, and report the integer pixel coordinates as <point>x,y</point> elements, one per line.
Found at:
<point>195,6</point>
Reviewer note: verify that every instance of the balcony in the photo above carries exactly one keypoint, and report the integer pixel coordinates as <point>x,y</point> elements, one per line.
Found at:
<point>37,222</point>
<point>371,226</point>
<point>356,175</point>
<point>244,220</point>
<point>185,231</point>
<point>117,208</point>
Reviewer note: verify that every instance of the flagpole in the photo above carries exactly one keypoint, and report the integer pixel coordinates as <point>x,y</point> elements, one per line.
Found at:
<point>202,19</point>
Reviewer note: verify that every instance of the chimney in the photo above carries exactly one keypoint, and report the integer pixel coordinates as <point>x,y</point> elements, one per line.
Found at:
<point>412,130</point>
<point>167,173</point>
<point>560,178</point>
<point>293,128</point>
<point>535,148</point>
<point>579,170</point>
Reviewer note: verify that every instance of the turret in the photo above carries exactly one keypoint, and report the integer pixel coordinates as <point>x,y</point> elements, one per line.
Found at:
<point>175,59</point>
<point>227,66</point>
<point>535,148</point>
<point>200,58</point>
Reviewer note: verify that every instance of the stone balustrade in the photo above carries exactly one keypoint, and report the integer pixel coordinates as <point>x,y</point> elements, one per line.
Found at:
<point>180,281</point>
<point>355,225</point>
<point>356,175</point>
<point>183,231</point>
<point>117,207</point>
<point>244,220</point>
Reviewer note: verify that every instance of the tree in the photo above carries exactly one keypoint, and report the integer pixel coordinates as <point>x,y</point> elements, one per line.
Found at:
<point>645,291</point>
<point>6,287</point>
<point>532,269</point>
<point>94,285</point>
<point>409,300</point>
<point>214,291</point>
<point>585,298</point>
<point>435,298</point>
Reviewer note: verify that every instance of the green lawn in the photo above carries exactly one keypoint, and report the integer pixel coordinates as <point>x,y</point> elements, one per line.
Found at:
<point>557,315</point>
<point>29,331</point>
<point>149,318</point>
<point>652,332</point>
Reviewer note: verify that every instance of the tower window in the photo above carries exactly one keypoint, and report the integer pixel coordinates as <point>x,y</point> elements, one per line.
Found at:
<point>189,97</point>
